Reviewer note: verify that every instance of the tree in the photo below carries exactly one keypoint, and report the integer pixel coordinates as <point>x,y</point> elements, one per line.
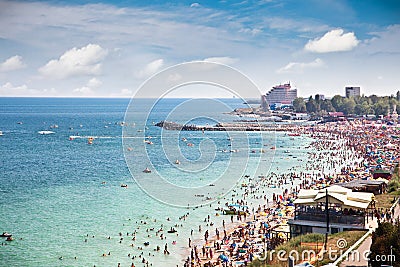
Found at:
<point>327,106</point>
<point>312,106</point>
<point>337,101</point>
<point>381,108</point>
<point>299,105</point>
<point>374,99</point>
<point>363,108</point>
<point>348,106</point>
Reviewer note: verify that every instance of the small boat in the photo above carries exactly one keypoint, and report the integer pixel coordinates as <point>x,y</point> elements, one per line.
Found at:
<point>146,243</point>
<point>147,170</point>
<point>124,185</point>
<point>10,238</point>
<point>293,134</point>
<point>45,132</point>
<point>5,234</point>
<point>1,133</point>
<point>190,144</point>
<point>90,140</point>
<point>177,162</point>
<point>184,139</point>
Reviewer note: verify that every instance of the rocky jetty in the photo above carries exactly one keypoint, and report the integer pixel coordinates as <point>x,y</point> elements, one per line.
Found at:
<point>224,127</point>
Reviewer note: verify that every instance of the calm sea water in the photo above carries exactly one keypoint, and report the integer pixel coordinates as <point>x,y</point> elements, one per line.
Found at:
<point>56,194</point>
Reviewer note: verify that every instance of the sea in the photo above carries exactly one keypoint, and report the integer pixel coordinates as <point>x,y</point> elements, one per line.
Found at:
<point>63,161</point>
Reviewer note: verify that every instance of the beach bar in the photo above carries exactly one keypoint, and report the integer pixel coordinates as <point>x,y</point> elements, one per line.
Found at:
<point>347,210</point>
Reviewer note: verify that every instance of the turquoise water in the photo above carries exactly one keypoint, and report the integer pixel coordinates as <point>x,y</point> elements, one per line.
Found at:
<point>56,193</point>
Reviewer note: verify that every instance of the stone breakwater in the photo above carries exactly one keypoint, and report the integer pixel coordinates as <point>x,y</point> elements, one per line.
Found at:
<point>225,127</point>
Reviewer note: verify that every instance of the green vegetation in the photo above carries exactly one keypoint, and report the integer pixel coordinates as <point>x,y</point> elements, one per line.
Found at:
<point>385,201</point>
<point>315,242</point>
<point>362,105</point>
<point>385,242</point>
<point>394,184</point>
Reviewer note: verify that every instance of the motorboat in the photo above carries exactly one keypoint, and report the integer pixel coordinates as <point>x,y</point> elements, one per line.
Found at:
<point>147,170</point>
<point>45,132</point>
<point>5,234</point>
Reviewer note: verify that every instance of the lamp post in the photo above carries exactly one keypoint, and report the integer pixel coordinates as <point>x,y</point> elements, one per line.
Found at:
<point>327,219</point>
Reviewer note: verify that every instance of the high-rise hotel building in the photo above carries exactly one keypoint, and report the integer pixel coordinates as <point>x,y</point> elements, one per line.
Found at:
<point>281,94</point>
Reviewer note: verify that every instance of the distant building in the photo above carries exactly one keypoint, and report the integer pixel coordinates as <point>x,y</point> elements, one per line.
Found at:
<point>281,94</point>
<point>352,91</point>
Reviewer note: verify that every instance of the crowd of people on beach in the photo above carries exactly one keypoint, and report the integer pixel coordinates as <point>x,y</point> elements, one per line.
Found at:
<point>341,152</point>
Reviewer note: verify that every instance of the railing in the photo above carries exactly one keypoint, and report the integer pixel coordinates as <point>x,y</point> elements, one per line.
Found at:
<point>321,217</point>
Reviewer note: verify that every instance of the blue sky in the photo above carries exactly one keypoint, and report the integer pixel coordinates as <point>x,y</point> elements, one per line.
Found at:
<point>109,48</point>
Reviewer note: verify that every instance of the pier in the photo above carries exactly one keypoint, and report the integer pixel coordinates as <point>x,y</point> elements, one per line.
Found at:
<point>250,127</point>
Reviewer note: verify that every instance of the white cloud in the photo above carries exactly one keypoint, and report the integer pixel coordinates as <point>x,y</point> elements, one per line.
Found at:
<point>174,77</point>
<point>222,60</point>
<point>385,41</point>
<point>195,5</point>
<point>76,61</point>
<point>94,83</point>
<point>12,63</point>
<point>8,89</point>
<point>299,67</point>
<point>151,68</point>
<point>333,41</point>
<point>126,92</point>
<point>251,31</point>
<point>88,89</point>
<point>84,90</point>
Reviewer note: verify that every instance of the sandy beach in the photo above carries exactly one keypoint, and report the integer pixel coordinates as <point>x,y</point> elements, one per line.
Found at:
<point>342,151</point>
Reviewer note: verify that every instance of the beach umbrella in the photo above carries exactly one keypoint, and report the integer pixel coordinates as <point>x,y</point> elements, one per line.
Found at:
<point>224,258</point>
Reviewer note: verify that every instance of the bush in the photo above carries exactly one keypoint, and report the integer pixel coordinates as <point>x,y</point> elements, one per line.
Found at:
<point>393,186</point>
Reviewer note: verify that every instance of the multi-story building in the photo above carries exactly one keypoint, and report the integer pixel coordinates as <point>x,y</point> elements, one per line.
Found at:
<point>281,94</point>
<point>352,91</point>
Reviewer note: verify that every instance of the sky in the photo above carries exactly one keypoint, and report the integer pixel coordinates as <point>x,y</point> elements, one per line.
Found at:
<point>110,48</point>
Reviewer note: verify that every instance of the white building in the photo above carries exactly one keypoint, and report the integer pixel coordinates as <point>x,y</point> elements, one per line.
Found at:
<point>281,94</point>
<point>347,210</point>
